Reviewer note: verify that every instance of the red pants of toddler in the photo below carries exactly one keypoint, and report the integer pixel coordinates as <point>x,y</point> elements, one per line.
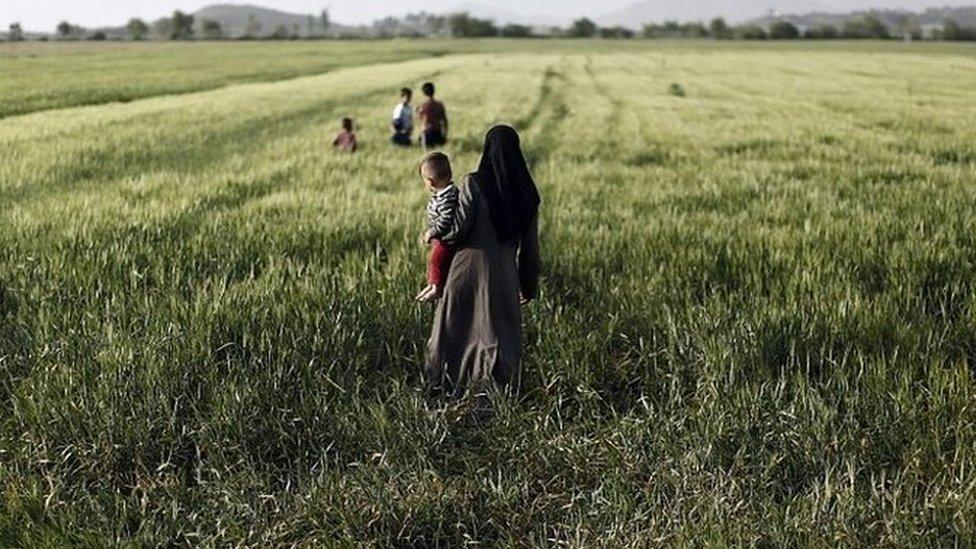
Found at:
<point>439,264</point>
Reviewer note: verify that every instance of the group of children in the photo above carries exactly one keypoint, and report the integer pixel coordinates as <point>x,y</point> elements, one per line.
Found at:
<point>432,113</point>
<point>435,172</point>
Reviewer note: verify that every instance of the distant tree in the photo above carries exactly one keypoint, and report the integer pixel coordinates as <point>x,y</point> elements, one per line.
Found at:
<point>182,26</point>
<point>693,30</point>
<point>822,32</point>
<point>968,33</point>
<point>294,31</point>
<point>437,24</point>
<point>553,31</point>
<point>386,27</point>
<point>719,29</point>
<point>163,28</point>
<point>422,24</point>
<point>750,32</point>
<point>65,29</point>
<point>867,26</point>
<point>667,30</point>
<point>15,33</point>
<point>909,29</point>
<point>951,30</point>
<point>673,29</point>
<point>97,35</point>
<point>211,29</point>
<point>463,25</point>
<point>137,28</point>
<point>783,30</point>
<point>280,33</point>
<point>310,26</point>
<point>516,31</point>
<point>253,27</point>
<point>324,19</point>
<point>583,28</point>
<point>616,32</point>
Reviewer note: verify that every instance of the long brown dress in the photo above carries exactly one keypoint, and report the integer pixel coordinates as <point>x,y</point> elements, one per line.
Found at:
<point>477,333</point>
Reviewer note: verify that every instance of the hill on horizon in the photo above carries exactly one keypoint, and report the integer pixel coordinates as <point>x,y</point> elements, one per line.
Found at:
<point>238,20</point>
<point>235,21</point>
<point>740,11</point>
<point>657,11</point>
<point>965,16</point>
<point>503,16</point>
<point>235,18</point>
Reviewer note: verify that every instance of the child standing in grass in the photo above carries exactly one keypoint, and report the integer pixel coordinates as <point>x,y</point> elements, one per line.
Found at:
<point>346,140</point>
<point>434,117</point>
<point>435,170</point>
<point>402,122</point>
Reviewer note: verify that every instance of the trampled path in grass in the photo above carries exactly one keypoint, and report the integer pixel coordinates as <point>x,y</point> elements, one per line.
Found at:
<point>757,323</point>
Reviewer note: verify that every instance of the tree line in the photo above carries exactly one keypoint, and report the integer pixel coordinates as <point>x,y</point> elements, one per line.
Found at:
<point>855,28</point>
<point>183,26</point>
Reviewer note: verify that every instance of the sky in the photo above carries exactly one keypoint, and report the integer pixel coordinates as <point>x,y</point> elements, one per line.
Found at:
<point>44,15</point>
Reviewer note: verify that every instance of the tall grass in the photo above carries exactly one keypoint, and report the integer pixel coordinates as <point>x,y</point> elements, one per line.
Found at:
<point>757,323</point>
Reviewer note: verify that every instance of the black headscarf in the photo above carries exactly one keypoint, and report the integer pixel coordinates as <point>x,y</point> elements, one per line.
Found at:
<point>513,199</point>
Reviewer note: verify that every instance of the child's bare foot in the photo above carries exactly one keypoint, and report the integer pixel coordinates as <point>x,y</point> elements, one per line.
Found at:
<point>430,293</point>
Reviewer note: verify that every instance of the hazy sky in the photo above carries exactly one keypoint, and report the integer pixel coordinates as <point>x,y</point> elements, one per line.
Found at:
<point>44,15</point>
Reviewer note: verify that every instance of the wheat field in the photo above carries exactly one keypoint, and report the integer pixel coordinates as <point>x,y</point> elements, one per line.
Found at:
<point>757,323</point>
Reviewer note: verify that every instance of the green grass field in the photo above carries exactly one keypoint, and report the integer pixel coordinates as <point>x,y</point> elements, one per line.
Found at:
<point>758,320</point>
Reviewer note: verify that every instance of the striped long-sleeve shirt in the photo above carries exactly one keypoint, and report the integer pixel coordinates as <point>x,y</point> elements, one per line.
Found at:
<point>441,210</point>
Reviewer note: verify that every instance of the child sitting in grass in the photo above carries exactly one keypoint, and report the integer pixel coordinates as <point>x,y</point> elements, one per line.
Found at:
<point>435,171</point>
<point>346,140</point>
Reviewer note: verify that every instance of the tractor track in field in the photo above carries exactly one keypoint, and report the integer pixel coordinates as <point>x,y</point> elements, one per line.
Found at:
<point>609,142</point>
<point>545,93</point>
<point>548,113</point>
<point>616,104</point>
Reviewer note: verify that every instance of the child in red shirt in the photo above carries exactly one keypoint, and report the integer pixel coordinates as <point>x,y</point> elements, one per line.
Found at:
<point>433,114</point>
<point>346,140</point>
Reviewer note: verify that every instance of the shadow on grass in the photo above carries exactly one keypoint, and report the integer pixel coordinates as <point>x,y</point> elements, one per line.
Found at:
<point>15,340</point>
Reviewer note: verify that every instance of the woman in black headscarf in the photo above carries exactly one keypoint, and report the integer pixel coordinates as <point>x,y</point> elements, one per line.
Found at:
<point>477,333</point>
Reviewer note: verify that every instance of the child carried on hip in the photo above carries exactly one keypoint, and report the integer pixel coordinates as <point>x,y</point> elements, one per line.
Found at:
<point>435,171</point>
